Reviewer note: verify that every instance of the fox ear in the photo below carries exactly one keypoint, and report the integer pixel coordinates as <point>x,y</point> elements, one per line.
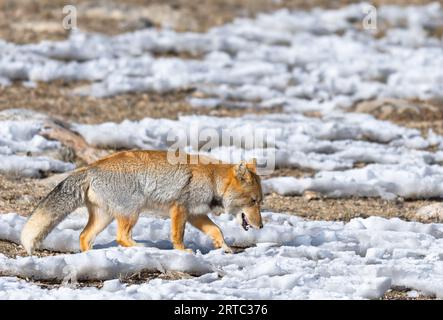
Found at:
<point>252,165</point>
<point>241,170</point>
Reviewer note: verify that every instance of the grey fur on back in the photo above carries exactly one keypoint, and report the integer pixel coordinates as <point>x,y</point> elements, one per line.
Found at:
<point>130,193</point>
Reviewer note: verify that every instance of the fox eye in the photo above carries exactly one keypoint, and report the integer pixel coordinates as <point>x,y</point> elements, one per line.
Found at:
<point>254,201</point>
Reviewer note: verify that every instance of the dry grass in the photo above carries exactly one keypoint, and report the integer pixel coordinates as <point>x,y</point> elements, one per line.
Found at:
<point>13,250</point>
<point>400,293</point>
<point>129,279</point>
<point>345,209</point>
<point>291,172</point>
<point>55,99</point>
<point>411,113</point>
<point>20,195</point>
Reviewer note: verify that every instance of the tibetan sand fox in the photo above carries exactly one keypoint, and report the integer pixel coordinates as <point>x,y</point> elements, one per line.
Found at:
<point>124,184</point>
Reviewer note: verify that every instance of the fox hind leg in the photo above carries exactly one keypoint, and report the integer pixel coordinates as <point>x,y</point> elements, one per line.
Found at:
<point>207,226</point>
<point>98,221</point>
<point>178,221</point>
<point>124,230</point>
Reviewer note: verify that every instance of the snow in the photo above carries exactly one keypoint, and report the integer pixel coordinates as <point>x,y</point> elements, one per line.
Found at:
<point>23,148</point>
<point>398,159</point>
<point>103,264</point>
<point>290,258</point>
<point>334,142</point>
<point>23,166</point>
<point>432,211</point>
<point>387,181</point>
<point>397,165</point>
<point>261,62</point>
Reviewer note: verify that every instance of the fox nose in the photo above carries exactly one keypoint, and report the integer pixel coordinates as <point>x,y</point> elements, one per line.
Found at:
<point>261,225</point>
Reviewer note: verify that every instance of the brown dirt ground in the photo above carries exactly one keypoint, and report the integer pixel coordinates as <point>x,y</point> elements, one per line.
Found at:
<point>292,172</point>
<point>12,250</point>
<point>56,100</point>
<point>345,209</point>
<point>402,294</point>
<point>20,195</point>
<point>411,113</point>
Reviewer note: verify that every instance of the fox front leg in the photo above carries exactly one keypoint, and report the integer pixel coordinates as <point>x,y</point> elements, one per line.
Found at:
<point>207,226</point>
<point>124,230</point>
<point>178,220</point>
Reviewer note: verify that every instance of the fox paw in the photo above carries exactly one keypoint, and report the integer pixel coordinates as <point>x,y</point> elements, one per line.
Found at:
<point>184,249</point>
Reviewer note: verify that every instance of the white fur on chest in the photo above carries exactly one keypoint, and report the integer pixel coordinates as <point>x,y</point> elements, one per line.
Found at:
<point>199,209</point>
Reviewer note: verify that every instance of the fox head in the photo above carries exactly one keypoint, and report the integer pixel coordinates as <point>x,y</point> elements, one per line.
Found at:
<point>243,195</point>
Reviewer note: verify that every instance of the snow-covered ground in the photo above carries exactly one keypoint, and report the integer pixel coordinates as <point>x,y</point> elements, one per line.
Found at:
<point>21,145</point>
<point>398,165</point>
<point>317,60</point>
<point>290,258</point>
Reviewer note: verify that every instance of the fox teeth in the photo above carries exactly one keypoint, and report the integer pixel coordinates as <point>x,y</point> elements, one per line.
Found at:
<point>245,223</point>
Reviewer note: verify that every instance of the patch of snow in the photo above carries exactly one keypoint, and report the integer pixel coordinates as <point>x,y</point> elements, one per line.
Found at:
<point>413,294</point>
<point>22,166</point>
<point>431,212</point>
<point>22,146</point>
<point>292,259</point>
<point>408,180</point>
<point>259,62</point>
<point>103,264</point>
<point>333,142</point>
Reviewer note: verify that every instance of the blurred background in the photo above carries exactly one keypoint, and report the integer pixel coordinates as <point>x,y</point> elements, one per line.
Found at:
<point>27,21</point>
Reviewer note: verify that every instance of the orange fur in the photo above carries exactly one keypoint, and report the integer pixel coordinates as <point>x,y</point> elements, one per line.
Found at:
<point>96,223</point>
<point>124,230</point>
<point>178,220</point>
<point>204,224</point>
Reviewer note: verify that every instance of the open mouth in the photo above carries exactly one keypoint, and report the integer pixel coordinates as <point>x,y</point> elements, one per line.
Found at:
<point>244,222</point>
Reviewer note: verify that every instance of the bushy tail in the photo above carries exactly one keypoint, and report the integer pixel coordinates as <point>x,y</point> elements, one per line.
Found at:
<point>67,196</point>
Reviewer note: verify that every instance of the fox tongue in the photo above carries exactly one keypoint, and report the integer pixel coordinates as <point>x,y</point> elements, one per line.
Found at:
<point>244,223</point>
